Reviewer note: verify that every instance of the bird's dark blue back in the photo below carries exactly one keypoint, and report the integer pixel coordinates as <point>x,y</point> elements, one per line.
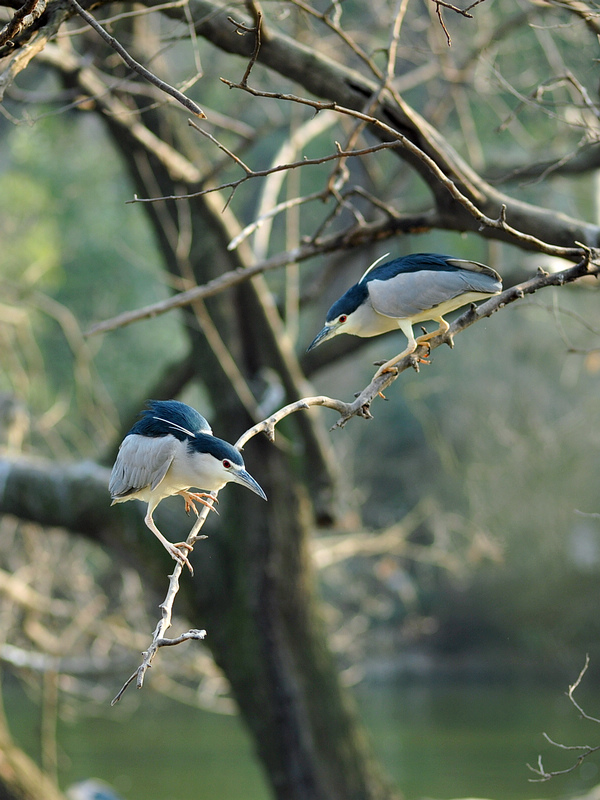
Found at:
<point>162,417</point>
<point>415,262</point>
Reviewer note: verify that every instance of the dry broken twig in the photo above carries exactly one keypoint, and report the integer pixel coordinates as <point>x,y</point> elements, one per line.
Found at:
<point>262,173</point>
<point>584,749</point>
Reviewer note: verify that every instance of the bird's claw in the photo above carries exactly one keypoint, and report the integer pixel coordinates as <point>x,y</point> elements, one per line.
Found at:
<point>182,558</point>
<point>189,498</point>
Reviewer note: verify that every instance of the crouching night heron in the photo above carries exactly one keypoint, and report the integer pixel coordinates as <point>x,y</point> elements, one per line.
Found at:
<point>168,451</point>
<point>405,291</point>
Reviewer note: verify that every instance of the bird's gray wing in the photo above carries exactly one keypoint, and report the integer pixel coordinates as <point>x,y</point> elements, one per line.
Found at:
<point>475,267</point>
<point>142,462</point>
<point>410,293</point>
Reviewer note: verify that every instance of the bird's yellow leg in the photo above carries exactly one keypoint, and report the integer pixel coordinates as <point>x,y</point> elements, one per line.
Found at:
<point>390,365</point>
<point>440,331</point>
<point>172,549</point>
<point>190,497</point>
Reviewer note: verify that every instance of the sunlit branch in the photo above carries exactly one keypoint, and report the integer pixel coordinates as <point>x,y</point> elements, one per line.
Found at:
<point>23,18</point>
<point>272,212</point>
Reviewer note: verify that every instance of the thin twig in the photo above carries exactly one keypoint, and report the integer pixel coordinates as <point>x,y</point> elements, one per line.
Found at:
<point>464,12</point>
<point>272,212</point>
<point>136,66</point>
<point>587,750</point>
<point>262,173</point>
<point>158,638</point>
<point>333,25</point>
<point>257,30</point>
<point>221,147</point>
<point>576,686</point>
<point>438,11</point>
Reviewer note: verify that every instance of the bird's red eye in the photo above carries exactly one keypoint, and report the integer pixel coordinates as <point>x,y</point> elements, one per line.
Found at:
<point>226,463</point>
<point>343,318</point>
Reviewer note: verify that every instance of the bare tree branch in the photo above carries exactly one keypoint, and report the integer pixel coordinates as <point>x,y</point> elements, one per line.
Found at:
<point>136,66</point>
<point>359,407</point>
<point>158,638</point>
<point>23,17</point>
<point>261,173</point>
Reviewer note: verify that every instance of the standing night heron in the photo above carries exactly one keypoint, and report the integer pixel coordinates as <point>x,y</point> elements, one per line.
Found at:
<point>407,290</point>
<point>168,451</point>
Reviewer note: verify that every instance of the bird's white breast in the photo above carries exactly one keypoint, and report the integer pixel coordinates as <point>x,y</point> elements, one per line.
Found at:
<point>365,321</point>
<point>197,470</point>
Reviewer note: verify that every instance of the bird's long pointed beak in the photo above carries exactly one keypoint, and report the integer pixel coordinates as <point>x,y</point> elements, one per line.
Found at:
<point>326,333</point>
<point>244,477</point>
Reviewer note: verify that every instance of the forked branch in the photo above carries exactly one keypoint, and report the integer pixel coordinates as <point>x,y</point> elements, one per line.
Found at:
<point>584,749</point>
<point>159,638</point>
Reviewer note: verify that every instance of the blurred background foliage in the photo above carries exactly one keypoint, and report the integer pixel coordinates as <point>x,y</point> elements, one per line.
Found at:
<point>499,439</point>
<point>473,529</point>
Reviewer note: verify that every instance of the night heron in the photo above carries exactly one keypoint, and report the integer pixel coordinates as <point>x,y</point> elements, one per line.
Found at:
<point>168,451</point>
<point>407,290</point>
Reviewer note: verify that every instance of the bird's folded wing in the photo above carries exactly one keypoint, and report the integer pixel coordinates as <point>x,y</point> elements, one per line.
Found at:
<point>474,266</point>
<point>142,462</point>
<point>410,293</point>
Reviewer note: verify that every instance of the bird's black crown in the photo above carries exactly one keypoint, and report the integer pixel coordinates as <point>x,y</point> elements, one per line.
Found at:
<point>220,449</point>
<point>348,302</point>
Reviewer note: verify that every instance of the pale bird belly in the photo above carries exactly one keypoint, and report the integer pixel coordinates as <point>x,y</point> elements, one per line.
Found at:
<point>450,305</point>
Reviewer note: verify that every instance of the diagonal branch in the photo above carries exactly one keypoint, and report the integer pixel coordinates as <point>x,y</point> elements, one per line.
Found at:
<point>136,66</point>
<point>22,19</point>
<point>361,405</point>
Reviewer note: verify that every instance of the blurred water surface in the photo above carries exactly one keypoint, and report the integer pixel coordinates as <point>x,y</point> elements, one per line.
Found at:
<point>435,741</point>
